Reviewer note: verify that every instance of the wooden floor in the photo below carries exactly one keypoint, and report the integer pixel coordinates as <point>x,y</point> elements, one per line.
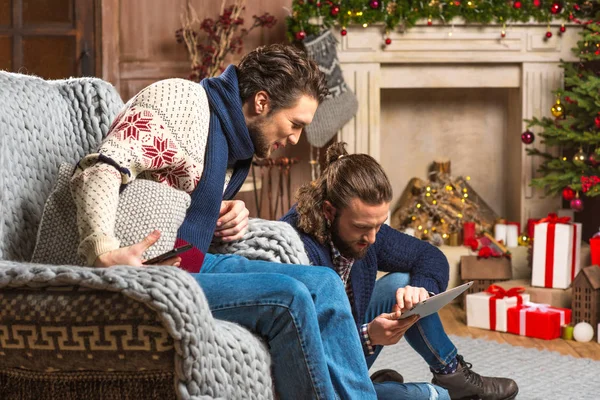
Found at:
<point>454,320</point>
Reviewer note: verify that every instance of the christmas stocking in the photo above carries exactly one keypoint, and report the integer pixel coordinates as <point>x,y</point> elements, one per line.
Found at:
<point>341,104</point>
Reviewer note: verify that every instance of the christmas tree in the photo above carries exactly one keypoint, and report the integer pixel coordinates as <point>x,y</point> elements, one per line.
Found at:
<point>575,128</point>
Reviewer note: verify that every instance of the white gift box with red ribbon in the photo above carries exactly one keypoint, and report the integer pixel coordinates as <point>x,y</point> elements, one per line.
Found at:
<point>556,252</point>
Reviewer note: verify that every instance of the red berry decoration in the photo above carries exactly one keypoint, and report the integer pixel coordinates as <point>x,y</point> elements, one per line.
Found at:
<point>517,4</point>
<point>568,194</point>
<point>577,204</point>
<point>597,122</point>
<point>300,36</point>
<point>388,41</point>
<point>335,10</point>
<point>374,4</point>
<point>344,32</point>
<point>319,4</point>
<point>576,7</point>
<point>537,3</point>
<point>527,137</point>
<point>548,35</point>
<point>593,159</point>
<point>555,8</point>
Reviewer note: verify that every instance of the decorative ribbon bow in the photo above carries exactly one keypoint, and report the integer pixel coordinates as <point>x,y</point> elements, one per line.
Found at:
<point>499,292</point>
<point>552,218</point>
<point>536,306</point>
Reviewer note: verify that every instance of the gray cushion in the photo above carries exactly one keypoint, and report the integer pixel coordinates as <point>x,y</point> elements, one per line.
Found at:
<point>144,205</point>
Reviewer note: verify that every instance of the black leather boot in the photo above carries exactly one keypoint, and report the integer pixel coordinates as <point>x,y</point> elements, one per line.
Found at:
<point>465,384</point>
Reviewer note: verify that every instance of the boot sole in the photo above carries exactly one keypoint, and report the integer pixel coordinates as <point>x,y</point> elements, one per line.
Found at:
<point>514,396</point>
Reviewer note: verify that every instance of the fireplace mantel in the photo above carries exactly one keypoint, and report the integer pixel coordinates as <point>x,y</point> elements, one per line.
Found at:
<point>461,56</point>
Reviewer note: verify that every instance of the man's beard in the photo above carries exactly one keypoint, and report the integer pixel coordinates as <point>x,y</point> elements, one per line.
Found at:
<point>262,148</point>
<point>345,248</point>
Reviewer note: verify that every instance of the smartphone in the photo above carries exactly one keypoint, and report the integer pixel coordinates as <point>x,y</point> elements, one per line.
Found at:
<point>168,254</point>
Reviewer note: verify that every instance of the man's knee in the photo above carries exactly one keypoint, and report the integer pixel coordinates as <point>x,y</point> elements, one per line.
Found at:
<point>290,290</point>
<point>328,280</point>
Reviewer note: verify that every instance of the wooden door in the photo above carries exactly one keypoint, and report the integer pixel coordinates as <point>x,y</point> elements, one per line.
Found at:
<point>52,39</point>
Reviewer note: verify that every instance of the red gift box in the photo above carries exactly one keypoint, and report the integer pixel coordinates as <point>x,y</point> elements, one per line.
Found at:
<point>537,320</point>
<point>595,251</point>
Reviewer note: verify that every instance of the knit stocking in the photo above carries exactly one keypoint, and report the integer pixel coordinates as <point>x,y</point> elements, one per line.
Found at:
<point>340,106</point>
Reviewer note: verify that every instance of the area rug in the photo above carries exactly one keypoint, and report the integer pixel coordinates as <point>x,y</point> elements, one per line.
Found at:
<point>540,374</point>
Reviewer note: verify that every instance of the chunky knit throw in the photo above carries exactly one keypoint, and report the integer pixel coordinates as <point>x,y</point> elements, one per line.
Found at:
<point>42,124</point>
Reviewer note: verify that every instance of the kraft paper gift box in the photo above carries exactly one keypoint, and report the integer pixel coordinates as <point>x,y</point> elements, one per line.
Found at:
<point>488,310</point>
<point>556,252</point>
<point>560,298</point>
<point>537,320</point>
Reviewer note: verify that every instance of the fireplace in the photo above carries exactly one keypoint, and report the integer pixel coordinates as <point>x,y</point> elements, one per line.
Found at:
<point>456,92</point>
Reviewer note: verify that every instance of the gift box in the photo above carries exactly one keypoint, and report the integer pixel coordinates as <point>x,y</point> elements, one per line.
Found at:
<point>537,320</point>
<point>556,252</point>
<point>560,298</point>
<point>483,272</point>
<point>487,310</point>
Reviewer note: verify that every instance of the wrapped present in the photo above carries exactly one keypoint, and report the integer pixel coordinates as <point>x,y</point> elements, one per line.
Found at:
<point>487,309</point>
<point>535,320</point>
<point>556,252</point>
<point>555,297</point>
<point>483,272</point>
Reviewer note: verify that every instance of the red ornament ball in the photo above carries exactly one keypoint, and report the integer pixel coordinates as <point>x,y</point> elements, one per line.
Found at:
<point>503,34</point>
<point>335,10</point>
<point>343,32</point>
<point>577,204</point>
<point>374,4</point>
<point>555,8</point>
<point>388,41</point>
<point>527,137</point>
<point>576,7</point>
<point>517,4</point>
<point>597,122</point>
<point>319,4</point>
<point>301,35</point>
<point>548,35</point>
<point>563,29</point>
<point>429,22</point>
<point>568,194</point>
<point>594,159</point>
<point>537,3</point>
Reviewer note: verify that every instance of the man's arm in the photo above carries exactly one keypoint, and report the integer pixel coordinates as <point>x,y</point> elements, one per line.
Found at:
<point>398,252</point>
<point>140,140</point>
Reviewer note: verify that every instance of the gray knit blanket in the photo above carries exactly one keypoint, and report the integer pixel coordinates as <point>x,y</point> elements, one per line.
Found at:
<point>42,124</point>
<point>274,241</point>
<point>203,369</point>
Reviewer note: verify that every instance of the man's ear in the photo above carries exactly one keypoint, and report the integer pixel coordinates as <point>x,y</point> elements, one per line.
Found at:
<point>262,103</point>
<point>329,210</point>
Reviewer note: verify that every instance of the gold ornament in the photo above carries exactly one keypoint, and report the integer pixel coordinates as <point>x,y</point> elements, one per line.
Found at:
<point>557,109</point>
<point>579,158</point>
<point>391,7</point>
<point>434,3</point>
<point>471,4</point>
<point>524,240</point>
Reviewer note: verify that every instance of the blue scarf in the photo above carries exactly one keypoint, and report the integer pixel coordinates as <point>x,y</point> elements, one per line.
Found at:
<point>228,143</point>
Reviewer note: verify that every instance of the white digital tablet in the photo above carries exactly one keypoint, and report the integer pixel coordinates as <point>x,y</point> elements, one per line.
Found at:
<point>434,303</point>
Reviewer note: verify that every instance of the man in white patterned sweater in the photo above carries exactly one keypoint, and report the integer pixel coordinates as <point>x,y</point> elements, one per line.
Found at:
<point>200,138</point>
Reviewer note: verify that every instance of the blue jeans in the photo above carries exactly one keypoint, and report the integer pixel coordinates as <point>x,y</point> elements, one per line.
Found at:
<point>304,315</point>
<point>426,336</point>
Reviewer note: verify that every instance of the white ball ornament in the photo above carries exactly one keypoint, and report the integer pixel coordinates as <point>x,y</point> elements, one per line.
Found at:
<point>583,332</point>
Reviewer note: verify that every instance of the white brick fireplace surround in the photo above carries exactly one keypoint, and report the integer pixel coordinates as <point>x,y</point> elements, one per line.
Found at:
<point>459,93</point>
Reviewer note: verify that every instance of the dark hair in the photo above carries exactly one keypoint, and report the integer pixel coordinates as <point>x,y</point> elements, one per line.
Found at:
<point>346,177</point>
<point>284,72</point>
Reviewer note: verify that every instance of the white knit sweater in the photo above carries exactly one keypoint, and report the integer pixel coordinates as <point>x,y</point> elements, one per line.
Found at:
<point>161,134</point>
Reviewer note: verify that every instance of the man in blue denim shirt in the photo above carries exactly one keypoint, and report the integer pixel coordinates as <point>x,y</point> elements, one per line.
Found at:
<point>340,219</point>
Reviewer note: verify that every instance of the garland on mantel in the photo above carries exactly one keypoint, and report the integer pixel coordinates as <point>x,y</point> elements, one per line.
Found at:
<point>309,17</point>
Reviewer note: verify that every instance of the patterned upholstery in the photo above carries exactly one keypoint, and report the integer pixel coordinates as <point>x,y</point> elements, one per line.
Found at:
<point>84,333</point>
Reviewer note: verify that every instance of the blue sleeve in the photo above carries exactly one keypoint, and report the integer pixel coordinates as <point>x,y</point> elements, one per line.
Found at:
<point>399,252</point>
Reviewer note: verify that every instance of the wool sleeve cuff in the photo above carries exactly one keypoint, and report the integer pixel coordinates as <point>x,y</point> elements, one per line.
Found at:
<point>94,245</point>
